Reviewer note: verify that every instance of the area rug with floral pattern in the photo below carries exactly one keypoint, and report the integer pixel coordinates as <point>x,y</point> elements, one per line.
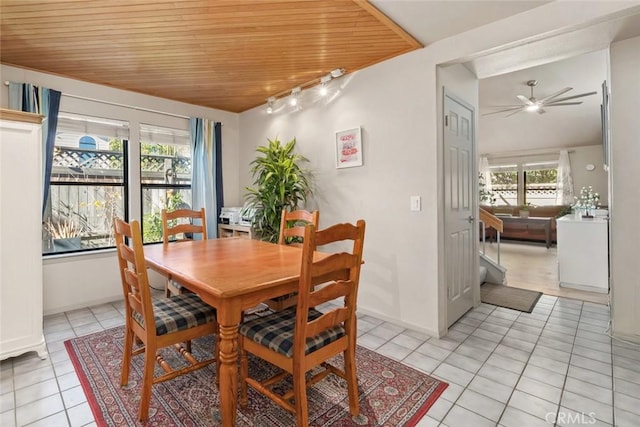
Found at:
<point>391,393</point>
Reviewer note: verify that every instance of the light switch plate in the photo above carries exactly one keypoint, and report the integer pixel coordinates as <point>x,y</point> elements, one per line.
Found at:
<point>415,203</point>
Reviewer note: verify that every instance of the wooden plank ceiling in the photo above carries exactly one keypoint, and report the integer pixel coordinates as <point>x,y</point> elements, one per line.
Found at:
<point>226,54</point>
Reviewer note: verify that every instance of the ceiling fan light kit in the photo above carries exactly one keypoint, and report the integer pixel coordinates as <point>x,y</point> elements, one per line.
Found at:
<point>533,104</point>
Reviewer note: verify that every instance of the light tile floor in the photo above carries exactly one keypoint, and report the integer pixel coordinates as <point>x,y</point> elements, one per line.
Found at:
<point>556,365</point>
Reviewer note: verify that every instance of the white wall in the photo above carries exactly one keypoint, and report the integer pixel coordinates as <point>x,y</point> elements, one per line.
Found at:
<point>73,281</point>
<point>397,164</point>
<point>580,157</point>
<point>625,195</point>
<point>395,102</point>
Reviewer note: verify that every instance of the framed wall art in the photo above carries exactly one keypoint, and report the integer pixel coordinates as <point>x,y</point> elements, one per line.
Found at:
<point>349,148</point>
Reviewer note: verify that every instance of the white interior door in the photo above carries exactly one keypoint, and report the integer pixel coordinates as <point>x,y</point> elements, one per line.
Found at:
<point>459,193</point>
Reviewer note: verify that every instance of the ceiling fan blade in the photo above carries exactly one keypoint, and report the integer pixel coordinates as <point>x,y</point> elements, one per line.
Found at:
<point>515,112</point>
<point>566,98</point>
<point>524,99</point>
<point>505,106</point>
<point>553,95</point>
<point>503,111</point>
<point>555,104</point>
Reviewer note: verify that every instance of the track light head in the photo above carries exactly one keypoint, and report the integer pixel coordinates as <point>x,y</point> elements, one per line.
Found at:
<point>293,101</point>
<point>270,102</point>
<point>324,81</point>
<point>337,72</point>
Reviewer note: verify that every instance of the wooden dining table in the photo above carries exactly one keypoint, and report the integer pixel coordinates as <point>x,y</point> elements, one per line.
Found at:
<point>232,275</point>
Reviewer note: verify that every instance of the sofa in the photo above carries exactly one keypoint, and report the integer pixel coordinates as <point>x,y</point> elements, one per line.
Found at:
<point>521,231</point>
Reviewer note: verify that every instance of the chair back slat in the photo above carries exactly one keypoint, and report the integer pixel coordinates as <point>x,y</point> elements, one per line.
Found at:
<point>334,263</point>
<point>185,228</point>
<point>339,232</point>
<point>326,321</point>
<point>183,221</point>
<point>135,297</point>
<point>329,292</point>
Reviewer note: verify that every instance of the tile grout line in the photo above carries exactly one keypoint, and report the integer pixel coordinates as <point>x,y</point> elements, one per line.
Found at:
<point>566,375</point>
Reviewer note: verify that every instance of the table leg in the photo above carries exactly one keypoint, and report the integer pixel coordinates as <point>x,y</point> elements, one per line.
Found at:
<point>228,373</point>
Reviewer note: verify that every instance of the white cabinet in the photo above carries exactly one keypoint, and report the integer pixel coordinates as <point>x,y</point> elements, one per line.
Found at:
<point>583,253</point>
<point>20,235</point>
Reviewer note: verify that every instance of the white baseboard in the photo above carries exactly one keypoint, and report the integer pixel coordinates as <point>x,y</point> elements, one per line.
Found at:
<point>399,322</point>
<point>83,304</point>
<point>632,339</point>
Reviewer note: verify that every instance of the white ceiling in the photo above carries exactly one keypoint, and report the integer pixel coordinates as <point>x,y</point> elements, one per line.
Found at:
<point>561,126</point>
<point>429,20</point>
<point>576,59</point>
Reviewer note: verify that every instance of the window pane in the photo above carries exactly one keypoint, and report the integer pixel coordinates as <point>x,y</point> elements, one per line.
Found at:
<point>88,185</point>
<point>541,186</point>
<point>153,201</point>
<point>165,156</point>
<point>81,217</point>
<point>165,170</point>
<point>92,159</point>
<point>504,185</point>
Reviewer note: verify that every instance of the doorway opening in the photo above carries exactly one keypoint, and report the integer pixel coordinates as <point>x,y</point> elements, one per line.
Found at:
<point>520,137</point>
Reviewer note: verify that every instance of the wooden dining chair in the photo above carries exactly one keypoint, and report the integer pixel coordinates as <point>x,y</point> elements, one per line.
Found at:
<point>292,233</point>
<point>300,338</point>
<point>156,324</point>
<point>180,225</point>
<point>292,225</point>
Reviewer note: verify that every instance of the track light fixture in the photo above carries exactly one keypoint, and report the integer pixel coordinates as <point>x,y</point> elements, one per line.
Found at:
<point>294,95</point>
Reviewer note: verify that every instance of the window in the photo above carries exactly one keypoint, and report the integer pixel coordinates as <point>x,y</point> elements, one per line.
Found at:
<point>517,184</point>
<point>504,184</point>
<point>165,170</point>
<point>88,184</point>
<point>540,183</point>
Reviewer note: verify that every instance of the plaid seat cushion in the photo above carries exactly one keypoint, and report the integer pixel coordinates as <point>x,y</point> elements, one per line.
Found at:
<point>275,331</point>
<point>179,312</point>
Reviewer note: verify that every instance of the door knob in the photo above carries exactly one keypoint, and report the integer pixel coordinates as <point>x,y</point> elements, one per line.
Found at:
<point>471,219</point>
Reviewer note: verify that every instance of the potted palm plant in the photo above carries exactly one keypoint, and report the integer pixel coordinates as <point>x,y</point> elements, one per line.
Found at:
<point>279,182</point>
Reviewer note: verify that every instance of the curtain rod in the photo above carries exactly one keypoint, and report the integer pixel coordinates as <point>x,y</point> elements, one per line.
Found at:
<point>117,104</point>
<point>534,153</point>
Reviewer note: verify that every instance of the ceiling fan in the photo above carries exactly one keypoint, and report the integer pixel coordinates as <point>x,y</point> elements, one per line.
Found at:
<point>538,105</point>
